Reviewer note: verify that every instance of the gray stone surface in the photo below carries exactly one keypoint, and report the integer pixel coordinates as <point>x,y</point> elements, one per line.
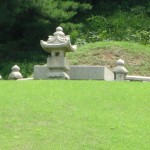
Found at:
<point>24,79</point>
<point>78,73</point>
<point>59,75</point>
<point>137,78</point>
<point>57,46</point>
<point>58,62</point>
<point>15,73</point>
<point>120,71</point>
<point>40,72</point>
<point>90,73</point>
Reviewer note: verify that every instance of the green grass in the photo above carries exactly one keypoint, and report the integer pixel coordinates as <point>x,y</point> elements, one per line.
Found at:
<point>74,115</point>
<point>136,56</point>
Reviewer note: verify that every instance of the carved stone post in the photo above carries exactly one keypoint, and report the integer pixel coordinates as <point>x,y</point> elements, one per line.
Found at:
<point>15,73</point>
<point>120,71</point>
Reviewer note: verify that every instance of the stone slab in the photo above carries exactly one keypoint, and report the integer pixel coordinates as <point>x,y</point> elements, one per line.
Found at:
<point>90,73</point>
<point>40,72</point>
<point>137,78</point>
<point>58,62</point>
<point>78,73</point>
<point>24,79</point>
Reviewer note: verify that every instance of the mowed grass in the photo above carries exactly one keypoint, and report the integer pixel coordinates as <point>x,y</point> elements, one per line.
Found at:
<point>136,56</point>
<point>74,115</point>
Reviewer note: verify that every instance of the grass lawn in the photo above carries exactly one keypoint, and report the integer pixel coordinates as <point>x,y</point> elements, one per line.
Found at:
<point>74,115</point>
<point>136,56</point>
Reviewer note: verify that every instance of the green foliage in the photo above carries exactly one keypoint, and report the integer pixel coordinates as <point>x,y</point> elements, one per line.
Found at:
<point>26,68</point>
<point>109,7</point>
<point>80,42</point>
<point>24,23</point>
<point>74,30</point>
<point>128,26</point>
<point>141,37</point>
<point>26,65</point>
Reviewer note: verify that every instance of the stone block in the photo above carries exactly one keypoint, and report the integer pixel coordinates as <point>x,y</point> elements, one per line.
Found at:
<point>57,62</point>
<point>90,73</point>
<point>78,73</point>
<point>120,76</point>
<point>57,75</point>
<point>40,72</point>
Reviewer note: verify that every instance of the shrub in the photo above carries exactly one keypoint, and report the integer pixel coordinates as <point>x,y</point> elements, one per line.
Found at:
<point>127,26</point>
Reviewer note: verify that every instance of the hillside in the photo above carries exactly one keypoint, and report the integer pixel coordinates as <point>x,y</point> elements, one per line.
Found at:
<point>136,56</point>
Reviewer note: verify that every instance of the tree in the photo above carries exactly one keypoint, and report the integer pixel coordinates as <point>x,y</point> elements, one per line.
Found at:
<point>24,22</point>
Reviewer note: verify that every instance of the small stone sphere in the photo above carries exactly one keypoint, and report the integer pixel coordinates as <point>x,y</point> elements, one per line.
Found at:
<point>59,32</point>
<point>120,62</point>
<point>59,29</point>
<point>15,68</point>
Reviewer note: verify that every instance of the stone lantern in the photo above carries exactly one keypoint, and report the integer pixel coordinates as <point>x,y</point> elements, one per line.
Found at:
<point>120,71</point>
<point>57,46</point>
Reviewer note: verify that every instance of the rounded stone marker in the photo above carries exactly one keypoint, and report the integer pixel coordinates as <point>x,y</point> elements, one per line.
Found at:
<point>15,73</point>
<point>120,71</point>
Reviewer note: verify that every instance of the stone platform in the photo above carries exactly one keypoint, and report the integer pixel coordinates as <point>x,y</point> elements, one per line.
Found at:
<point>78,73</point>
